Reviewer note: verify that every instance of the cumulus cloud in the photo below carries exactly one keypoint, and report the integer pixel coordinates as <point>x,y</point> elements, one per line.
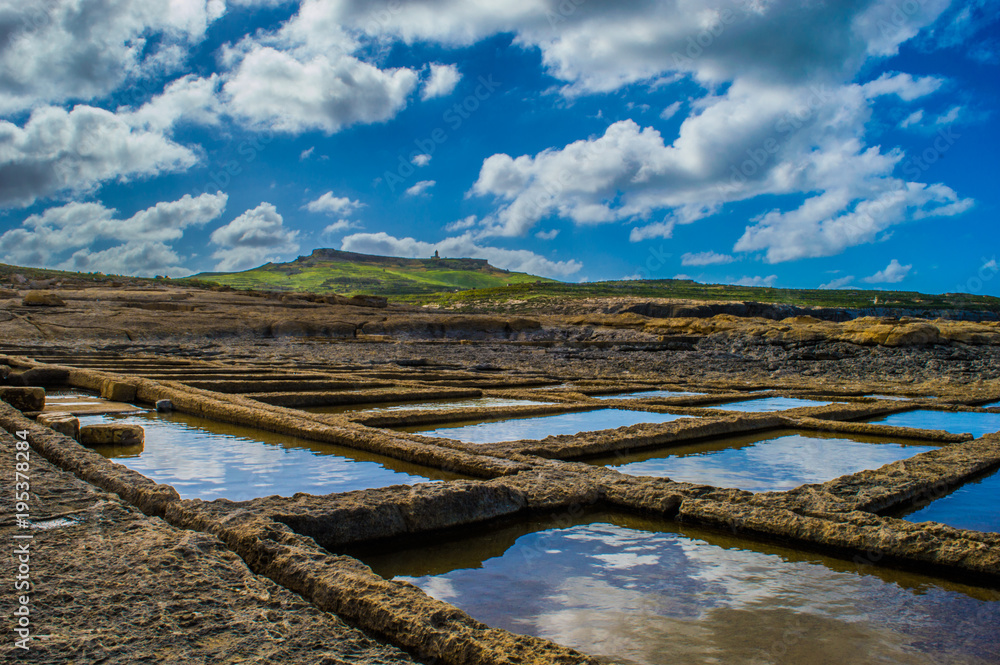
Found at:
<point>599,47</point>
<point>252,239</point>
<point>78,150</point>
<point>305,76</point>
<point>340,226</point>
<point>827,224</point>
<point>420,188</point>
<point>188,99</point>
<point>421,160</point>
<point>705,259</point>
<point>43,238</point>
<point>547,235</point>
<point>838,283</point>
<point>465,245</point>
<point>892,274</point>
<point>756,281</point>
<point>441,81</point>
<point>333,205</point>
<point>63,50</point>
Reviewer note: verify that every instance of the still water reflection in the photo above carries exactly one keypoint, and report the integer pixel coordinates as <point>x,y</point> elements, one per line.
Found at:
<point>205,459</point>
<point>645,394</point>
<point>654,593</point>
<point>974,505</point>
<point>956,422</point>
<point>765,462</point>
<point>515,429</point>
<point>767,404</point>
<point>433,405</point>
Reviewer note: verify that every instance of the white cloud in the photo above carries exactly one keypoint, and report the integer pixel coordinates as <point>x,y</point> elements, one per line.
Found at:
<point>838,283</point>
<point>420,188</point>
<point>307,153</point>
<point>78,150</point>
<point>465,245</point>
<point>892,274</point>
<point>340,226</point>
<point>904,86</point>
<point>44,237</point>
<point>547,235</point>
<point>441,82</point>
<point>333,205</point>
<point>599,47</point>
<point>670,111</point>
<point>304,77</point>
<point>756,281</point>
<point>705,259</point>
<point>188,99</point>
<point>252,239</point>
<point>949,117</point>
<point>462,224</point>
<point>133,258</point>
<point>421,160</point>
<point>62,50</point>
<point>827,224</point>
<point>913,119</point>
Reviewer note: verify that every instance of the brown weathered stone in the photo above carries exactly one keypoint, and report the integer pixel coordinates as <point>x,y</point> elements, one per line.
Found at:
<point>118,391</point>
<point>24,399</point>
<point>42,299</point>
<point>112,435</point>
<point>64,423</point>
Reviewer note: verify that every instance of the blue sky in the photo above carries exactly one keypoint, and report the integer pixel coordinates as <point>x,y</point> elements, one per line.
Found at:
<point>840,144</point>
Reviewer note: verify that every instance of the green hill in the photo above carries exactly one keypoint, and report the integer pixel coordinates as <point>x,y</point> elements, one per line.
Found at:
<point>348,273</point>
<point>550,296</point>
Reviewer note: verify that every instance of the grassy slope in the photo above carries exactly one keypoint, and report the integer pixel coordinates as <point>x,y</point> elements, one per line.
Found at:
<point>538,296</point>
<point>425,282</point>
<point>402,277</point>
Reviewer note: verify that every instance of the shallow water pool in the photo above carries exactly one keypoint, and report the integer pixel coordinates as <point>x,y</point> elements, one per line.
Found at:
<point>515,429</point>
<point>974,505</point>
<point>648,393</point>
<point>205,459</point>
<point>653,593</point>
<point>956,422</point>
<point>431,405</point>
<point>767,404</point>
<point>773,461</point>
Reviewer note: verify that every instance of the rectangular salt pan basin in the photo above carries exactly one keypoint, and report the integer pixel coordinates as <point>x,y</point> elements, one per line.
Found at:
<point>204,459</point>
<point>775,461</point>
<point>436,405</point>
<point>647,394</point>
<point>956,422</point>
<point>974,505</point>
<point>767,404</point>
<point>516,429</point>
<point>650,593</point>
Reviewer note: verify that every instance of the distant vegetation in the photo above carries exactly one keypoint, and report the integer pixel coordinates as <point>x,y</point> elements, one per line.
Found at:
<point>525,297</point>
<point>474,285</point>
<point>347,273</point>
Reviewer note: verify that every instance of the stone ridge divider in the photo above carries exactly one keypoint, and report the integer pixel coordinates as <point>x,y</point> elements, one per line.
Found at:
<point>239,410</point>
<point>371,394</point>
<point>704,424</point>
<point>396,611</point>
<point>870,538</point>
<point>403,418</point>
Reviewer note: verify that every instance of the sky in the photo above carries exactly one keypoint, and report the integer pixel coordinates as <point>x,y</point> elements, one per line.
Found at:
<point>847,144</point>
